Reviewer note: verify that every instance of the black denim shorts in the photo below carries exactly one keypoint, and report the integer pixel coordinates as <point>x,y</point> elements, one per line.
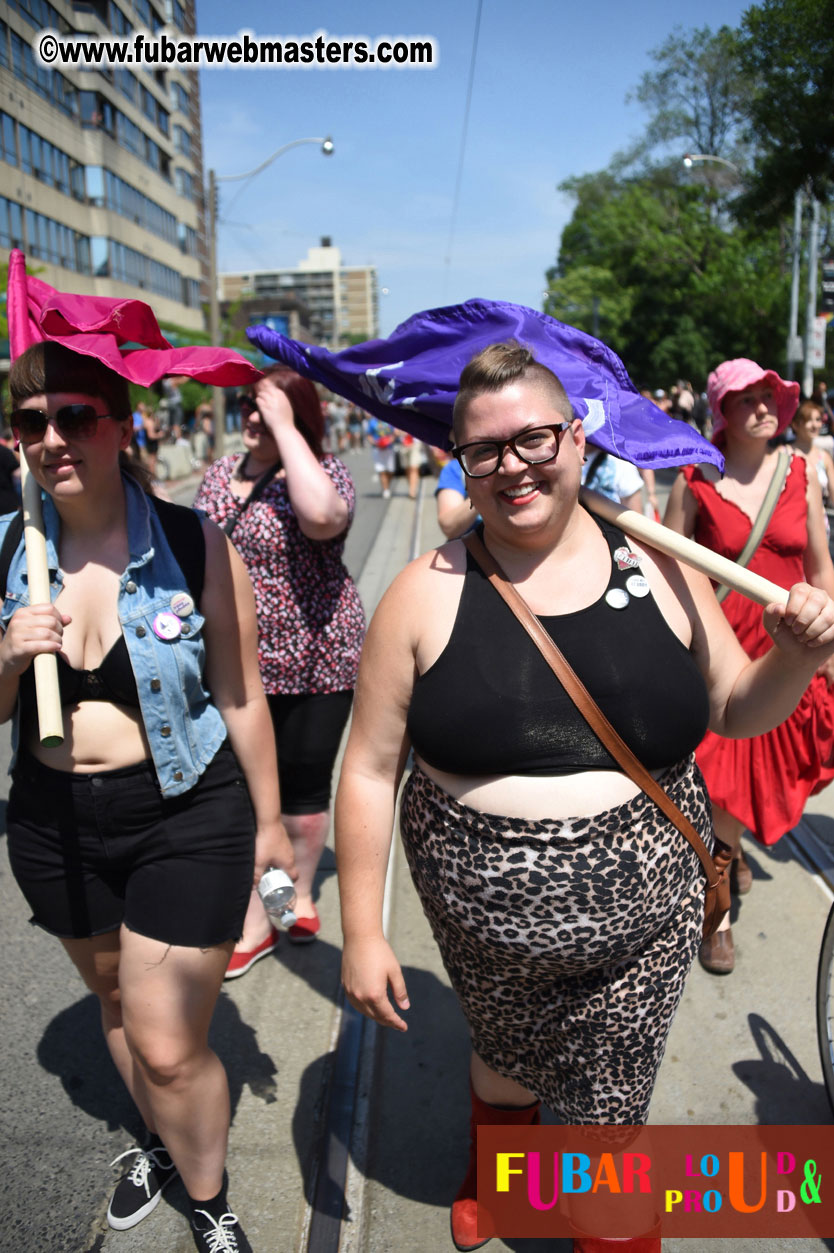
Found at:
<point>93,851</point>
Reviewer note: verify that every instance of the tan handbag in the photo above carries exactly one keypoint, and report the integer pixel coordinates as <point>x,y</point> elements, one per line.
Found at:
<point>716,867</point>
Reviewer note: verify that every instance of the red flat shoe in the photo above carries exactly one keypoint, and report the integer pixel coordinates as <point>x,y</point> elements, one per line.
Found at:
<point>239,963</point>
<point>304,930</point>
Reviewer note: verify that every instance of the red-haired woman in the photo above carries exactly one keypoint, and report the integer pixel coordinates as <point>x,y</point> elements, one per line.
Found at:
<point>287,507</point>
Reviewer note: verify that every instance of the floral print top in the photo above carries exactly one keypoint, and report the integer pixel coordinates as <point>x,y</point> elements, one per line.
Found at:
<point>311,624</point>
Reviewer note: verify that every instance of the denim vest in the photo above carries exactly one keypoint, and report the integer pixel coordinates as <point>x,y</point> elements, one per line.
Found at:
<point>183,727</point>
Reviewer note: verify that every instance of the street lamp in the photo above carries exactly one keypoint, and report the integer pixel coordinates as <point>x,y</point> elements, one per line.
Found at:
<point>326,144</point>
<point>716,177</point>
<point>689,158</point>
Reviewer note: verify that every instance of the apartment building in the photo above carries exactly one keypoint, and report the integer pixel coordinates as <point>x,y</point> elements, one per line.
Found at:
<point>343,300</point>
<point>101,172</point>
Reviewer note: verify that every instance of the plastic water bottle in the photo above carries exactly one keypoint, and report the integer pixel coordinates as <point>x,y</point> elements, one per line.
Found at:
<point>277,891</point>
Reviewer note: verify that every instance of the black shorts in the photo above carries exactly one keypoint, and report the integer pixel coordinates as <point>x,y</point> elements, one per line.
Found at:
<point>93,851</point>
<point>308,731</point>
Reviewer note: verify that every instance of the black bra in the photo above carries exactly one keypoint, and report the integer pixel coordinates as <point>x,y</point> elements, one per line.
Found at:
<point>489,705</point>
<point>112,681</point>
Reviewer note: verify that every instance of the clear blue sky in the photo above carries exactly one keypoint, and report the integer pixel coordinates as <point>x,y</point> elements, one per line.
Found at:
<point>548,102</point>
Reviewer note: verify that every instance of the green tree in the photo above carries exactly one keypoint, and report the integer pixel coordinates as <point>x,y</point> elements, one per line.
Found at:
<point>654,254</point>
<point>194,394</point>
<point>786,52</point>
<point>676,290</point>
<point>696,97</point>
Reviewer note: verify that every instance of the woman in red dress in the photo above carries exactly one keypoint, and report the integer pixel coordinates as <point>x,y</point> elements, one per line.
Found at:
<point>761,783</point>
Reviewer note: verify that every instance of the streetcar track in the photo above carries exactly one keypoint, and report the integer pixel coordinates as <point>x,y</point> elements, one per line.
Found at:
<point>338,1177</point>
<point>816,858</point>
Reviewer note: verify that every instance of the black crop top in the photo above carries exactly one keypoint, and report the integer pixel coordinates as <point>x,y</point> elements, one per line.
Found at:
<point>490,705</point>
<point>113,681</point>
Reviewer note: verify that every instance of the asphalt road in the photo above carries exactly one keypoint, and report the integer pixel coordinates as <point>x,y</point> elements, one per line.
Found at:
<point>742,1050</point>
<point>66,1115</point>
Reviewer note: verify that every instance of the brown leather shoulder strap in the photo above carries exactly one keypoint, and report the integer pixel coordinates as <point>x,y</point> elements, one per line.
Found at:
<point>585,703</point>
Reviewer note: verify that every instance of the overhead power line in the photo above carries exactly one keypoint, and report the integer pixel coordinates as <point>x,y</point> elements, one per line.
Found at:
<point>462,155</point>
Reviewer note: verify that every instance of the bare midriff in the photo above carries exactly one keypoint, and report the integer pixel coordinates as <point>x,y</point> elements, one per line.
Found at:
<point>538,797</point>
<point>98,736</point>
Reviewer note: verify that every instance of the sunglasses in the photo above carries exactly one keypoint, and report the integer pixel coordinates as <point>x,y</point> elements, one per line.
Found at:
<point>247,406</point>
<point>76,422</point>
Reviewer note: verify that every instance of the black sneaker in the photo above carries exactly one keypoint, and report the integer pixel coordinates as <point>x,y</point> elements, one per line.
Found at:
<point>139,1192</point>
<point>219,1235</point>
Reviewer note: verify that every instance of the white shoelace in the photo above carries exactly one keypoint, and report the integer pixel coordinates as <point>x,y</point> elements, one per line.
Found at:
<point>141,1169</point>
<point>219,1236</point>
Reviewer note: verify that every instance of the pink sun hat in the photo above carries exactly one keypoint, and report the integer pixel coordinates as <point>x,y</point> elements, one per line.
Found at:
<point>735,376</point>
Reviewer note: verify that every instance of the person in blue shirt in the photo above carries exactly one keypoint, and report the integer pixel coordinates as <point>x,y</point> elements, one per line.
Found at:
<point>136,840</point>
<point>455,514</point>
<point>139,433</point>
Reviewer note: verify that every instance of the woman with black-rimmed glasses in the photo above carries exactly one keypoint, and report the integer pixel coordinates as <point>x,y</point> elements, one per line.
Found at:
<point>567,908</point>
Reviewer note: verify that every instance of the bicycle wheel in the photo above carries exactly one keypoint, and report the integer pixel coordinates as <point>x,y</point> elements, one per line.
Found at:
<point>825,1007</point>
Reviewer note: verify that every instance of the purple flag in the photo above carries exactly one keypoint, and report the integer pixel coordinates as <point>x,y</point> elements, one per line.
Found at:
<point>410,379</point>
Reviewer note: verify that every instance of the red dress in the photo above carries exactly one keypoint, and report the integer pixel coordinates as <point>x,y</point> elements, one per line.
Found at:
<point>765,781</point>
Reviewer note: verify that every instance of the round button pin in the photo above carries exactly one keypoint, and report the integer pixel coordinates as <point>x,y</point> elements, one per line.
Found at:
<point>637,585</point>
<point>167,626</point>
<point>616,598</point>
<point>182,604</point>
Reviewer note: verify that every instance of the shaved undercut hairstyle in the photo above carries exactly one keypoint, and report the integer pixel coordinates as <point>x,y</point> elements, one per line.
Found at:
<point>496,367</point>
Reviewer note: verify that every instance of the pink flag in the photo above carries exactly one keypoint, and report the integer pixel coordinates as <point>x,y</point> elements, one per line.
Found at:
<point>99,326</point>
<point>23,331</point>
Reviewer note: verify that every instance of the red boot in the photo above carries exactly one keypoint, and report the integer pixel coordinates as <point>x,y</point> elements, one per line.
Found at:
<point>649,1243</point>
<point>464,1207</point>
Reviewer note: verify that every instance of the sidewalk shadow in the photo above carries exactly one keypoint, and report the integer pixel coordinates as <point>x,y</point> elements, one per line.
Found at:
<point>418,1123</point>
<point>73,1049</point>
<point>784,1093</point>
<point>757,856</point>
<point>326,869</point>
<point>821,824</point>
<point>319,965</point>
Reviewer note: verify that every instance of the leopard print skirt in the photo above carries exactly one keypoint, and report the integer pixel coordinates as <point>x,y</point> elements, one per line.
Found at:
<point>567,942</point>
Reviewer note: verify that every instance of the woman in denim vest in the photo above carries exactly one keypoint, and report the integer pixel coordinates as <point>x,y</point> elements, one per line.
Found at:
<point>136,840</point>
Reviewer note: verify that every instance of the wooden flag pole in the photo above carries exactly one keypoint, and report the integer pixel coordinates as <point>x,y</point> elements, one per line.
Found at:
<point>50,718</point>
<point>721,569</point>
<point>21,335</point>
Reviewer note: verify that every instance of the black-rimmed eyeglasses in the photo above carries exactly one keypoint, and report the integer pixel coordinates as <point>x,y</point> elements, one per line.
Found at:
<point>484,456</point>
